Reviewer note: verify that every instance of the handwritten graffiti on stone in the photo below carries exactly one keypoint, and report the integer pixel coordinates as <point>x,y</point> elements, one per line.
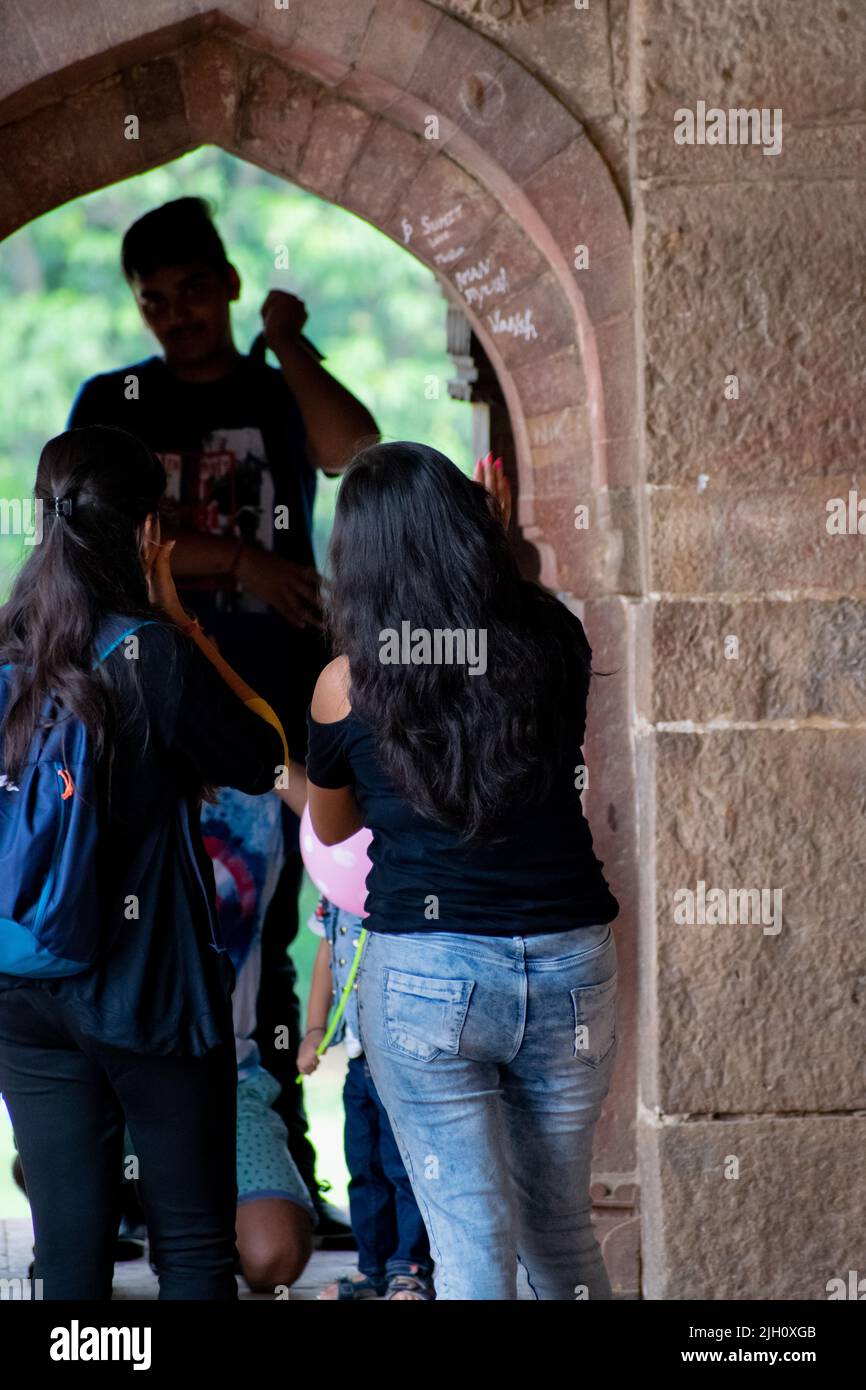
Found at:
<point>474,293</point>
<point>516,325</point>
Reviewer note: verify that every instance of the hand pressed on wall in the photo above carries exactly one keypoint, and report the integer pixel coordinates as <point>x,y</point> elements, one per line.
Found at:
<point>491,474</point>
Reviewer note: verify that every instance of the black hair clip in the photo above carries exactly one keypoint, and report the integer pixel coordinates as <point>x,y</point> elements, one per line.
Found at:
<point>62,506</point>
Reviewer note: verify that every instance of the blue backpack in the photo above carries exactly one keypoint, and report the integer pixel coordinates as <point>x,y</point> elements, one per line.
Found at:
<point>50,911</point>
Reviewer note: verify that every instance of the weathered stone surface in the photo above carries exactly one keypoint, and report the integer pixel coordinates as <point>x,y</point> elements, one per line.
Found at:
<point>127,23</point>
<point>336,27</point>
<point>750,541</point>
<point>791,1221</point>
<point>15,38</point>
<point>750,1018</point>
<point>276,115</point>
<point>396,37</point>
<point>154,92</point>
<point>337,131</point>
<point>96,118</point>
<point>622,557</point>
<point>575,196</point>
<point>807,152</point>
<point>495,101</point>
<point>553,384</point>
<point>804,57</point>
<point>753,281</point>
<point>621,462</point>
<point>530,323</point>
<point>502,261</point>
<point>609,802</point>
<point>38,158</point>
<point>442,213</point>
<point>614,351</point>
<point>572,48</point>
<point>214,72</point>
<point>14,203</point>
<point>801,660</point>
<point>49,37</point>
<point>386,165</point>
<point>561,463</point>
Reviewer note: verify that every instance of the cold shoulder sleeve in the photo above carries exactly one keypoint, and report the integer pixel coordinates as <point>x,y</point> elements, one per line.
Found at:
<point>327,760</point>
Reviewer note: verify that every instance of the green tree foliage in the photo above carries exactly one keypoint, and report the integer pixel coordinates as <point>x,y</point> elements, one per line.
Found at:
<point>376,312</point>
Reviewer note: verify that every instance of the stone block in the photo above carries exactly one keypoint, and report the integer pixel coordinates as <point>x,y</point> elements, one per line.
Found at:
<point>763,1014</point>
<point>553,384</point>
<point>754,334</point>
<point>806,58</point>
<point>530,324</point>
<point>336,134</point>
<point>791,1222</point>
<point>385,167</point>
<point>214,72</point>
<point>442,214</point>
<point>154,93</point>
<point>396,37</point>
<point>495,101</point>
<point>754,541</point>
<point>574,194</point>
<point>329,35</point>
<point>502,261</point>
<point>37,156</point>
<point>276,116</point>
<point>796,660</point>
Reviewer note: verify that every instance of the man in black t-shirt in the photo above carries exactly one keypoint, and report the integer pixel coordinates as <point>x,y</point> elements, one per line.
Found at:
<point>241,443</point>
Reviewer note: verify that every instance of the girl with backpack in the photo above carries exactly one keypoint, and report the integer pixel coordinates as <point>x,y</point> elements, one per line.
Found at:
<point>450,725</point>
<point>117,717</point>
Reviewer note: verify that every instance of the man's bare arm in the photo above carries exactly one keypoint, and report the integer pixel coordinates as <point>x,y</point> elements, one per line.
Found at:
<point>337,424</point>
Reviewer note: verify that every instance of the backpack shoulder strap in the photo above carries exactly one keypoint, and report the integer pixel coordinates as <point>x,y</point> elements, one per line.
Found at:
<point>133,627</point>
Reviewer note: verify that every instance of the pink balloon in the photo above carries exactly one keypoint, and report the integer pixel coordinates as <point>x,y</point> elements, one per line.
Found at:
<point>338,871</point>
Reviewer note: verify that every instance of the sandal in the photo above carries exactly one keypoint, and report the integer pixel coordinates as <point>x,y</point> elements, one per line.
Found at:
<point>349,1289</point>
<point>419,1285</point>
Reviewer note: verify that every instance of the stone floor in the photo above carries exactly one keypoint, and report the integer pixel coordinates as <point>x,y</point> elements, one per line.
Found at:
<point>135,1280</point>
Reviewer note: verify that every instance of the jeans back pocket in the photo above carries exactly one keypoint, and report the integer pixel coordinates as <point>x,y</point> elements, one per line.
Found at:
<point>424,1016</point>
<point>594,1021</point>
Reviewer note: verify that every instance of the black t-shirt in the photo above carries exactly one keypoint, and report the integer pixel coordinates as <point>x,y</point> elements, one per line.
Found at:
<point>236,461</point>
<point>163,985</point>
<point>541,876</point>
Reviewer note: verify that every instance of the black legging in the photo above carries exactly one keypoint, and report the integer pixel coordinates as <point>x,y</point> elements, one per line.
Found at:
<point>67,1097</point>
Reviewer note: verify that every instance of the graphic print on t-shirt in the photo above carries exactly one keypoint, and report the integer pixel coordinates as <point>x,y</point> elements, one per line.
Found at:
<point>224,488</point>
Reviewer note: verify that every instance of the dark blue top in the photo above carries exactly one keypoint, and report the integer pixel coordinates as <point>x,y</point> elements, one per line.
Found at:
<point>541,876</point>
<point>164,982</point>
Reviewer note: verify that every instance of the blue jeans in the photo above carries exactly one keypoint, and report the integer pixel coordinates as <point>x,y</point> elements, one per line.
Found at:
<point>493,1056</point>
<point>386,1221</point>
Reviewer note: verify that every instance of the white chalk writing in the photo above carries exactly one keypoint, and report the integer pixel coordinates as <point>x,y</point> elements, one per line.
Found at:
<point>518,325</point>
<point>429,225</point>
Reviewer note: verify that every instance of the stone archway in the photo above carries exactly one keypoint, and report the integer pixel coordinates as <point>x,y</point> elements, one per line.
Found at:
<point>435,134</point>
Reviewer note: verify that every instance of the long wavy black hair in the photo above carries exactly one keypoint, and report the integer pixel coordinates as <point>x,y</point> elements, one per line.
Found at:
<point>86,566</point>
<point>416,540</point>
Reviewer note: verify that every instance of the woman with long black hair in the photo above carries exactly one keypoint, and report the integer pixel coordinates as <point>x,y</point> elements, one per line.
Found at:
<point>124,1014</point>
<point>450,724</point>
